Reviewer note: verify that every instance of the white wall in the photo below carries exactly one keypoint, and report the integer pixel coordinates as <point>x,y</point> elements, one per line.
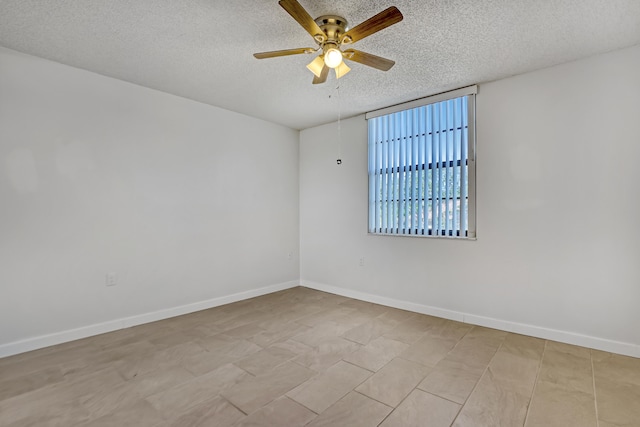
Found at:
<point>185,202</point>
<point>558,185</point>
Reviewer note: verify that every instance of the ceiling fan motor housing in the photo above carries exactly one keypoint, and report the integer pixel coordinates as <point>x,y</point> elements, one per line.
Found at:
<point>333,26</point>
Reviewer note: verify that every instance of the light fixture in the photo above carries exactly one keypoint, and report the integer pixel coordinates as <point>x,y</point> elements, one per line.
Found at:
<point>332,57</point>
<point>342,69</point>
<point>316,66</point>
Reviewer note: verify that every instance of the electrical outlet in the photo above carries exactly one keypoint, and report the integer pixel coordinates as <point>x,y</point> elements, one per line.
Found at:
<point>361,262</point>
<point>111,279</point>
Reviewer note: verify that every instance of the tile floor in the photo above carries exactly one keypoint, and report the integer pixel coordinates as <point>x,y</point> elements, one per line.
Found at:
<point>303,357</point>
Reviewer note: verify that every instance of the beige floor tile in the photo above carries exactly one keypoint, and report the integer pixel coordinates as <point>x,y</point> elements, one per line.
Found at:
<point>201,363</point>
<point>178,337</point>
<point>491,404</point>
<point>139,414</point>
<point>567,370</point>
<point>123,396</point>
<point>397,316</point>
<point>38,359</point>
<point>51,411</point>
<point>292,346</point>
<point>377,353</point>
<point>269,337</point>
<point>478,346</point>
<point>515,373</point>
<point>618,403</point>
<point>125,352</point>
<point>327,353</point>
<point>351,320</point>
<point>253,393</point>
<point>523,346</point>
<point>394,381</point>
<point>365,307</point>
<point>318,333</point>
<point>353,410</point>
<point>25,364</point>
<point>281,412</point>
<point>146,330</point>
<point>487,333</point>
<point>327,388</point>
<point>244,331</point>
<point>15,386</point>
<point>473,353</point>
<point>214,412</point>
<point>412,329</point>
<point>128,335</point>
<point>364,333</point>
<point>283,317</point>
<point>608,424</point>
<point>568,348</point>
<point>596,355</point>
<point>136,365</point>
<point>450,381</point>
<point>180,399</point>
<point>617,367</point>
<point>429,350</point>
<point>329,314</point>
<point>216,342</point>
<point>57,404</point>
<point>265,360</point>
<point>422,409</point>
<point>556,406</point>
<point>449,329</point>
<point>321,332</point>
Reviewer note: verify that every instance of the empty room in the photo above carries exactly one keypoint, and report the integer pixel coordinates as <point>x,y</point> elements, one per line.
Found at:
<point>319,213</point>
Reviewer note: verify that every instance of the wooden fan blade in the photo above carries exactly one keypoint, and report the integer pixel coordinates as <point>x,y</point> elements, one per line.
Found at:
<point>276,53</point>
<point>382,20</point>
<point>323,76</point>
<point>365,58</point>
<point>299,13</point>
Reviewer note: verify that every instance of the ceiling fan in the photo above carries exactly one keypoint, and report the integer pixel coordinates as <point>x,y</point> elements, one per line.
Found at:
<point>330,33</point>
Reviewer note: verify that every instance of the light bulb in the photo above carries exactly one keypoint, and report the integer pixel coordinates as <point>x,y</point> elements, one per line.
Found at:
<point>333,57</point>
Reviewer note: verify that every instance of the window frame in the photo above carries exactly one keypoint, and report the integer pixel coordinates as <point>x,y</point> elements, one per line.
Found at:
<point>470,92</point>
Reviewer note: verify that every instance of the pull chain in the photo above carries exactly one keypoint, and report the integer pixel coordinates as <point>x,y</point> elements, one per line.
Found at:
<point>339,160</point>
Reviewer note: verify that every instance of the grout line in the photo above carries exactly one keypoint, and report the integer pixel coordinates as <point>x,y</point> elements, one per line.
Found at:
<point>439,397</point>
<point>300,403</point>
<point>535,385</point>
<point>408,394</point>
<point>593,379</point>
<point>357,366</point>
<point>479,379</point>
<point>232,404</point>
<point>369,397</point>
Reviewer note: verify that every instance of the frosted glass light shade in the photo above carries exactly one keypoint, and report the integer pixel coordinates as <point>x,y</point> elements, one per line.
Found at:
<point>342,69</point>
<point>316,66</point>
<point>332,57</point>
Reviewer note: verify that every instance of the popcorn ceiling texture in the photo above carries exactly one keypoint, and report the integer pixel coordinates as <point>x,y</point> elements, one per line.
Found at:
<point>202,49</point>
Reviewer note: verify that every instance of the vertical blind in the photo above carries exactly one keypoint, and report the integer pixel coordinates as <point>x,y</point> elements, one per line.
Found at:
<point>422,168</point>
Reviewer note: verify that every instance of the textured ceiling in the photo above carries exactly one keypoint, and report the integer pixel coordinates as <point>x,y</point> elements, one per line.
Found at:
<point>202,49</point>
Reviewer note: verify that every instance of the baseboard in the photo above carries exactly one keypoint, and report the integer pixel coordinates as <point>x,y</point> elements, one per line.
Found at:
<point>603,344</point>
<point>35,343</point>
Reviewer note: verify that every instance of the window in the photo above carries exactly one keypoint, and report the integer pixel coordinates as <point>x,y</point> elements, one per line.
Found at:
<point>422,167</point>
